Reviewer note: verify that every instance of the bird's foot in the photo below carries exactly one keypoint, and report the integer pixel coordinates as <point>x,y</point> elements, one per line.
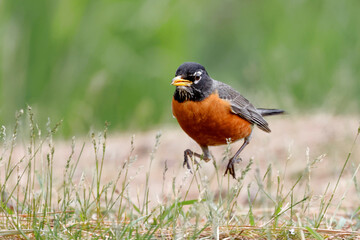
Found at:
<point>189,154</point>
<point>231,168</point>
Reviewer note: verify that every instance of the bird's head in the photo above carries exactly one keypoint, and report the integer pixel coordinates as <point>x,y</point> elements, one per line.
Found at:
<point>192,82</point>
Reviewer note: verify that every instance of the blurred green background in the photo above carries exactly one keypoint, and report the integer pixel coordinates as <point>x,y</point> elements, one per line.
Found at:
<point>87,61</point>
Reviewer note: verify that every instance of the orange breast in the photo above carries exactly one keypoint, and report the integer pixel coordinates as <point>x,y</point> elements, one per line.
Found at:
<point>210,122</point>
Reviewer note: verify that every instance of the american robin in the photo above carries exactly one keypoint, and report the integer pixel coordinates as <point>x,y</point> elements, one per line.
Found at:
<point>212,112</point>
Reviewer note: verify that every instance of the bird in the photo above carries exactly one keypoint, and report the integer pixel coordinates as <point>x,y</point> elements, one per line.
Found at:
<point>212,113</point>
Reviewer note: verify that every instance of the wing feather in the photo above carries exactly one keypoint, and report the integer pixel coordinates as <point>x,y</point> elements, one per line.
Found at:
<point>241,106</point>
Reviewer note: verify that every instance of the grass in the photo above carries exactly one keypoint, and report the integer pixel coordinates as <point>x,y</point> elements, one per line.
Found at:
<point>35,203</point>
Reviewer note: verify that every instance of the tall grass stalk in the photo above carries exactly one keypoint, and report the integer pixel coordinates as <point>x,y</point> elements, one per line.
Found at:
<point>198,205</point>
<point>322,215</point>
<point>152,157</point>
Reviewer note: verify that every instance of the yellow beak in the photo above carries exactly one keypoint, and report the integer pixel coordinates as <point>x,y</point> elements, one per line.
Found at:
<point>178,81</point>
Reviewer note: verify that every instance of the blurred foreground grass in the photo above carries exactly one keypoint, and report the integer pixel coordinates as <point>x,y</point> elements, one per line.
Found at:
<point>90,61</point>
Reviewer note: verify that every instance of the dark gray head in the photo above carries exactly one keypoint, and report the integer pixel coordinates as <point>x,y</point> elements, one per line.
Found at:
<point>192,82</point>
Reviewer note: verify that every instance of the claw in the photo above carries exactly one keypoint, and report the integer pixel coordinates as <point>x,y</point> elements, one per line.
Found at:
<point>186,163</point>
<point>188,153</point>
<point>230,167</point>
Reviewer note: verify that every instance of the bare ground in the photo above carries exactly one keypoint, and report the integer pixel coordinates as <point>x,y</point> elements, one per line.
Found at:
<point>290,138</point>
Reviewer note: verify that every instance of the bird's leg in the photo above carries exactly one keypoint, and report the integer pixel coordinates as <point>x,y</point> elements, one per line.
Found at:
<point>206,156</point>
<point>188,153</point>
<point>206,153</point>
<point>230,167</point>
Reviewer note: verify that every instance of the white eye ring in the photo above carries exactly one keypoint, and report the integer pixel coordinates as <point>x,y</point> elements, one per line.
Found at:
<point>197,76</point>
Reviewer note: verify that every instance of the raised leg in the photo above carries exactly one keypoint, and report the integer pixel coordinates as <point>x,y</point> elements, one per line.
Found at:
<point>230,167</point>
<point>206,156</point>
<point>188,153</point>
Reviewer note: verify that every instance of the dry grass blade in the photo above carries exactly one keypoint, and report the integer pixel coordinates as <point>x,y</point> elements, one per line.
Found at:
<point>49,192</point>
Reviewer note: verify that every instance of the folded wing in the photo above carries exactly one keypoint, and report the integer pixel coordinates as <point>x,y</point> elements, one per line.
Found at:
<point>241,106</point>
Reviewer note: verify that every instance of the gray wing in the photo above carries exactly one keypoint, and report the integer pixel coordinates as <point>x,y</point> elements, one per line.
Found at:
<point>241,106</point>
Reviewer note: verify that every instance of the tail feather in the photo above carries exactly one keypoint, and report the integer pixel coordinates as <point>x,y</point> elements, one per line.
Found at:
<point>269,112</point>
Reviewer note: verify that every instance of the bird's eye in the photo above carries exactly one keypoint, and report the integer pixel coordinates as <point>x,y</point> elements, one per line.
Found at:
<point>197,76</point>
